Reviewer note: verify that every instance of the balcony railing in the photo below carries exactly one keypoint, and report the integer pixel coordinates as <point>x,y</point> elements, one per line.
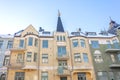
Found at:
<point>18,49</point>
<point>17,64</point>
<point>112,50</point>
<point>115,65</point>
<point>63,71</point>
<point>63,56</point>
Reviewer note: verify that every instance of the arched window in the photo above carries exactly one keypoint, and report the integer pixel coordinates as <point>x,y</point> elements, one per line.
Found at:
<point>2,77</point>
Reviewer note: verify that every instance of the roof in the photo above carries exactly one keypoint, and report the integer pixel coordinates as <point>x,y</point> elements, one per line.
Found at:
<point>6,36</point>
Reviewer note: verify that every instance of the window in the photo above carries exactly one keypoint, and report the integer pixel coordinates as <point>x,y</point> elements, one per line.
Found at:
<point>95,44</point>
<point>10,44</point>
<point>111,75</point>
<point>62,63</point>
<point>30,41</point>
<point>61,50</point>
<point>75,43</point>
<point>85,57</point>
<point>36,42</point>
<point>19,75</point>
<point>45,44</point>
<point>118,57</point>
<point>44,58</point>
<point>61,38</point>
<point>44,76</point>
<point>6,60</point>
<point>108,44</point>
<point>29,56</point>
<point>21,44</point>
<point>98,56</point>
<point>102,75</point>
<point>77,57</point>
<point>19,58</point>
<point>1,44</point>
<point>35,57</point>
<point>82,42</point>
<point>115,44</point>
<point>112,57</point>
<point>57,38</point>
<point>117,75</point>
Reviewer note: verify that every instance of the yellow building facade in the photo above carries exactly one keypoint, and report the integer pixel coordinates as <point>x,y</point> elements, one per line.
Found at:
<point>36,56</point>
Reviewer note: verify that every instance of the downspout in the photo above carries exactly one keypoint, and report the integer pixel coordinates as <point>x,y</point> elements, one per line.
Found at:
<point>38,60</point>
<point>71,59</point>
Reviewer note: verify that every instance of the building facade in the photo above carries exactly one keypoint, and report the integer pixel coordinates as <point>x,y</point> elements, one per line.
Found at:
<point>6,42</point>
<point>40,55</point>
<point>105,50</point>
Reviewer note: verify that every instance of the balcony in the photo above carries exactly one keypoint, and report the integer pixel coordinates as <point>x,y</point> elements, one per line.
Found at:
<point>16,65</point>
<point>63,71</point>
<point>18,49</point>
<point>115,65</point>
<point>112,50</point>
<point>63,56</point>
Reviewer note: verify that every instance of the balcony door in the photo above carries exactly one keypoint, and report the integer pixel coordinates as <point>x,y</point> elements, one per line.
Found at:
<point>81,76</point>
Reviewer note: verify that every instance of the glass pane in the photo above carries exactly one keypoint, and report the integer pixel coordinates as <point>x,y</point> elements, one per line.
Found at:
<point>95,44</point>
<point>45,44</point>
<point>75,43</point>
<point>21,44</point>
<point>30,42</point>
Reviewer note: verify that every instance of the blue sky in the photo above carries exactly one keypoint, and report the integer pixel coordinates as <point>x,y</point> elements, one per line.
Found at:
<point>89,15</point>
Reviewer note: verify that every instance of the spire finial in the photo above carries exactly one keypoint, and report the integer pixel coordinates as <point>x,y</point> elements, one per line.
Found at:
<point>58,13</point>
<point>110,19</point>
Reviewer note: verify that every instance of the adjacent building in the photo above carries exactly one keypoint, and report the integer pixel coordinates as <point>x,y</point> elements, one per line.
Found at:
<point>6,42</point>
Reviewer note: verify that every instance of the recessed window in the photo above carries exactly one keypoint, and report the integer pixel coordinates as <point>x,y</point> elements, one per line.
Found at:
<point>19,76</point>
<point>6,60</point>
<point>29,56</point>
<point>19,58</point>
<point>35,57</point>
<point>44,58</point>
<point>95,44</point>
<point>1,44</point>
<point>116,44</point>
<point>10,44</point>
<point>82,43</point>
<point>45,44</point>
<point>77,57</point>
<point>108,45</point>
<point>61,50</point>
<point>21,44</point>
<point>36,42</point>
<point>30,41</point>
<point>118,57</point>
<point>102,75</point>
<point>62,63</point>
<point>85,57</point>
<point>44,76</point>
<point>75,43</point>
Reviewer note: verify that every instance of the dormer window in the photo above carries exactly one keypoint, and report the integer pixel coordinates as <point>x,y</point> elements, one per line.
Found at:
<point>91,33</point>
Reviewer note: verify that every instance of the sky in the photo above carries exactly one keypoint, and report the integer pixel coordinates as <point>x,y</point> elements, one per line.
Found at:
<point>89,15</point>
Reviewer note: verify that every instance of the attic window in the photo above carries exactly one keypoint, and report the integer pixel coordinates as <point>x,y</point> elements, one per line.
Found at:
<point>91,33</point>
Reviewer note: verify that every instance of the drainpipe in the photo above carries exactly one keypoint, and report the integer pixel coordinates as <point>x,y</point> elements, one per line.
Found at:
<point>38,60</point>
<point>71,59</point>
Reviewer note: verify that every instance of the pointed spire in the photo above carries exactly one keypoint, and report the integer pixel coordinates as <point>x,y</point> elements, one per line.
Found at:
<point>58,13</point>
<point>59,24</point>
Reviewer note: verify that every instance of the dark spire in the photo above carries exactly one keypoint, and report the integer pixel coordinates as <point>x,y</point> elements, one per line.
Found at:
<point>59,24</point>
